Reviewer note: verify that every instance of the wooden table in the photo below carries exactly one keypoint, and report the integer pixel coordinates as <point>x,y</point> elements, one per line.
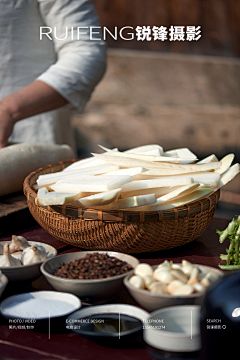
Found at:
<point>31,344</point>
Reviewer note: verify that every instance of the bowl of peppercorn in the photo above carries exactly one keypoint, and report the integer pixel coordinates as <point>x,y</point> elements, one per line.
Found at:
<point>91,275</point>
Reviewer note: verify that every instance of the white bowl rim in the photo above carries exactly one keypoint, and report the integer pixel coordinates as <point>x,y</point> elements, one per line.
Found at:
<point>169,296</point>
<point>26,266</point>
<point>123,309</point>
<point>89,281</point>
<point>174,341</point>
<point>169,309</point>
<point>3,280</point>
<point>36,293</point>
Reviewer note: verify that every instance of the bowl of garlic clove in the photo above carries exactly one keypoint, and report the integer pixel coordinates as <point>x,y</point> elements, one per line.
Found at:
<point>170,284</point>
<point>3,282</point>
<point>20,259</point>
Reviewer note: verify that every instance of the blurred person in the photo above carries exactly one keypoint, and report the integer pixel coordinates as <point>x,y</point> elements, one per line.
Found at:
<point>38,77</point>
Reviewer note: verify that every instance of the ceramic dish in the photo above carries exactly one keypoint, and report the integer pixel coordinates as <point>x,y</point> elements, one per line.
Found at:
<point>174,329</point>
<point>3,283</point>
<point>108,324</point>
<point>39,305</point>
<point>27,272</point>
<point>153,301</point>
<point>92,290</point>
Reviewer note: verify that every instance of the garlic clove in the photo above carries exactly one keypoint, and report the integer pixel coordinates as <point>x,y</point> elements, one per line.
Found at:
<point>209,278</point>
<point>179,275</point>
<point>143,270</point>
<point>198,287</point>
<point>158,288</point>
<point>186,263</point>
<point>137,282</point>
<point>173,286</point>
<point>163,276</point>
<point>185,289</point>
<point>18,243</point>
<point>148,280</point>
<point>193,276</point>
<point>212,276</point>
<point>24,241</point>
<point>7,259</point>
<point>201,275</point>
<point>176,266</point>
<point>33,255</point>
<point>165,265</point>
<point>205,281</point>
<point>187,269</point>
<point>17,255</point>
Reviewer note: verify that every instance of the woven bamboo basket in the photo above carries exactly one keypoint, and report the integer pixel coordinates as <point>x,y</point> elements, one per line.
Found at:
<point>123,231</point>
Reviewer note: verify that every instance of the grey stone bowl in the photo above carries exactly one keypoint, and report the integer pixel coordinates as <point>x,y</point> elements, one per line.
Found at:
<point>3,282</point>
<point>152,301</point>
<point>89,290</point>
<point>27,273</point>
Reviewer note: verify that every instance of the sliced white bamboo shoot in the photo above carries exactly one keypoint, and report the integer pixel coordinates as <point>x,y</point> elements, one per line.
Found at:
<point>159,182</point>
<point>182,200</point>
<point>204,178</point>
<point>55,198</point>
<point>154,152</point>
<point>157,191</point>
<point>185,167</point>
<point>103,198</point>
<point>48,179</point>
<point>181,153</point>
<point>37,187</point>
<point>228,175</point>
<point>179,201</point>
<point>41,192</point>
<point>129,171</point>
<point>208,159</point>
<point>145,148</point>
<point>165,168</point>
<point>226,163</point>
<point>92,183</point>
<point>143,157</point>
<point>183,190</point>
<point>129,202</point>
<point>84,163</point>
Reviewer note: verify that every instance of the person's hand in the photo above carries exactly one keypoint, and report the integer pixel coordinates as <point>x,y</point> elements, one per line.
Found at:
<point>6,125</point>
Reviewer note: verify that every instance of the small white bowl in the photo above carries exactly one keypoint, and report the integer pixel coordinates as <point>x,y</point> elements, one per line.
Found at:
<point>91,290</point>
<point>39,305</point>
<point>174,329</point>
<point>152,301</point>
<point>3,283</point>
<point>27,272</point>
<point>119,310</point>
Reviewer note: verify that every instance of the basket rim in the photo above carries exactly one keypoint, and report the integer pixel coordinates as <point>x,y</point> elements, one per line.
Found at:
<point>72,211</point>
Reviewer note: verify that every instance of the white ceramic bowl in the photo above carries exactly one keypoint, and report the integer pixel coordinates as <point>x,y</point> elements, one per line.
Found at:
<point>92,290</point>
<point>174,329</point>
<point>3,282</point>
<point>27,272</point>
<point>39,305</point>
<point>152,301</point>
<point>119,309</point>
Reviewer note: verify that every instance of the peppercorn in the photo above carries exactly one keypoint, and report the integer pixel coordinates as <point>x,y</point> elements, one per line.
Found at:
<point>93,266</point>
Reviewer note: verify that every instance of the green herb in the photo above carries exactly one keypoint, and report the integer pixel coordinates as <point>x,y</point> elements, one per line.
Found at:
<point>232,232</point>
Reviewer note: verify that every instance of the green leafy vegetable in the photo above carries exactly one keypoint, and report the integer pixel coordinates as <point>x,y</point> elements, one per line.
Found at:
<point>232,232</point>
